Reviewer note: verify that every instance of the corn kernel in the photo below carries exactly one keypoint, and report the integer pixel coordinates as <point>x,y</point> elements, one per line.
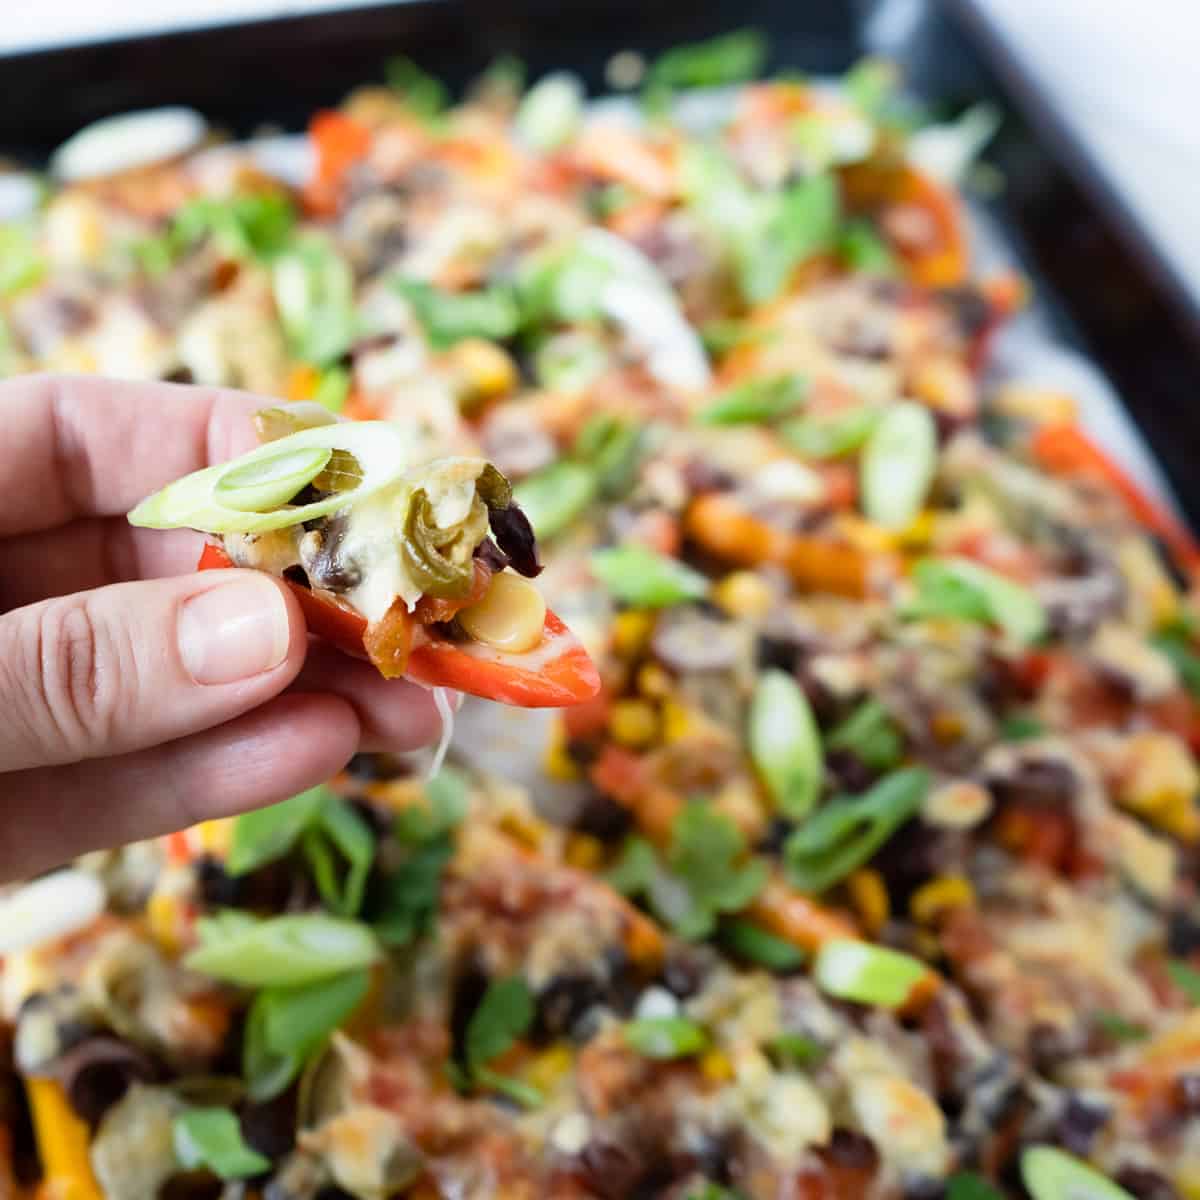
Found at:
<point>919,532</point>
<point>946,726</point>
<point>1179,818</point>
<point>164,914</point>
<point>1039,405</point>
<point>214,837</point>
<point>863,535</point>
<point>62,1140</point>
<point>653,682</point>
<point>546,1069</point>
<point>510,617</point>
<point>927,946</point>
<point>302,382</point>
<point>716,1067</point>
<point>938,895</point>
<point>678,722</point>
<point>487,370</point>
<point>584,851</point>
<point>523,827</point>
<point>1187,1181</point>
<point>556,762</point>
<point>633,723</point>
<point>744,594</point>
<point>631,632</point>
<point>869,894</point>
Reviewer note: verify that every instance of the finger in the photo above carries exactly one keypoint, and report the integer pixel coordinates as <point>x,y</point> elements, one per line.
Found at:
<point>94,447</point>
<point>287,746</point>
<point>90,553</point>
<point>130,666</point>
<point>394,714</point>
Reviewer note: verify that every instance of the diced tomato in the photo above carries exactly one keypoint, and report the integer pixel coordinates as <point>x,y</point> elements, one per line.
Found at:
<point>340,142</point>
<point>555,674</point>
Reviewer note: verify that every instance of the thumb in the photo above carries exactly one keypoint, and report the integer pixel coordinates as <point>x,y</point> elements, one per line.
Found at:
<point>126,667</point>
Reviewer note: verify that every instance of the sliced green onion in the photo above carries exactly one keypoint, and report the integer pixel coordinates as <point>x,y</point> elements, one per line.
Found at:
<point>283,951</point>
<point>340,832</point>
<point>247,226</point>
<point>962,588</point>
<point>1176,644</point>
<point>266,834</point>
<point>333,390</point>
<point>554,497</point>
<point>722,335</point>
<point>272,480</point>
<point>212,1138</point>
<point>613,449</point>
<point>1053,1174</point>
<point>730,58</point>
<point>754,944</point>
<point>424,95</point>
<point>21,265</point>
<point>570,362</point>
<point>1021,727</point>
<point>871,735</point>
<point>784,743</point>
<point>638,576</point>
<point>871,84</point>
<point>551,111</point>
<point>866,974</point>
<point>831,436</point>
<point>898,465</point>
<point>794,225</point>
<point>218,499</point>
<point>796,1050</point>
<point>665,1037</point>
<point>299,1019</point>
<point>314,294</point>
<point>843,835</point>
<point>756,401</point>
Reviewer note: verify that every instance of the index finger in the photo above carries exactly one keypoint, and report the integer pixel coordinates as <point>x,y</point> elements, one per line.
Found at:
<point>81,446</point>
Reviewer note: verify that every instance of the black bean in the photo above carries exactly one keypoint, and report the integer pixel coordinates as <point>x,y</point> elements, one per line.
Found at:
<point>1145,1183</point>
<point>270,1127</point>
<point>1183,933</point>
<point>684,970</point>
<point>1082,1118</point>
<point>218,888</point>
<point>1186,1093</point>
<point>564,1000</point>
<point>852,774</point>
<point>1044,781</point>
<point>850,1149</point>
<point>602,817</point>
<point>969,308</point>
<point>610,1170</point>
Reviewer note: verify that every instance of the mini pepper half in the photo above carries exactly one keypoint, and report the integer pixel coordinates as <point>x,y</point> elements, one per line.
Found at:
<point>416,562</point>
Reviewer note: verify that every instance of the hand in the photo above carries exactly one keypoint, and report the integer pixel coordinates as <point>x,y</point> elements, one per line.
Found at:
<point>136,695</point>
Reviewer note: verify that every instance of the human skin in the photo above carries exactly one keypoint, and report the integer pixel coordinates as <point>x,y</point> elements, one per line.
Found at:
<point>138,696</point>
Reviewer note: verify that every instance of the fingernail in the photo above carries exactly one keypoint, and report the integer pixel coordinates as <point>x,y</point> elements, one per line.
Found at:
<point>234,632</point>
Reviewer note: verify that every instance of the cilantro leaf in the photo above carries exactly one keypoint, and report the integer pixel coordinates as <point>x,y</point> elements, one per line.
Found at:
<point>406,900</point>
<point>967,1185</point>
<point>1186,978</point>
<point>871,734</point>
<point>704,872</point>
<point>504,1014</point>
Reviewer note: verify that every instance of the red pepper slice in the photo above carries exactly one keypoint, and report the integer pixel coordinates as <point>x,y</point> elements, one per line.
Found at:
<point>554,674</point>
<point>1067,450</point>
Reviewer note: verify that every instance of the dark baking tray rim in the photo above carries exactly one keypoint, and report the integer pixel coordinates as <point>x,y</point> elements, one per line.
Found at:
<point>1114,296</point>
